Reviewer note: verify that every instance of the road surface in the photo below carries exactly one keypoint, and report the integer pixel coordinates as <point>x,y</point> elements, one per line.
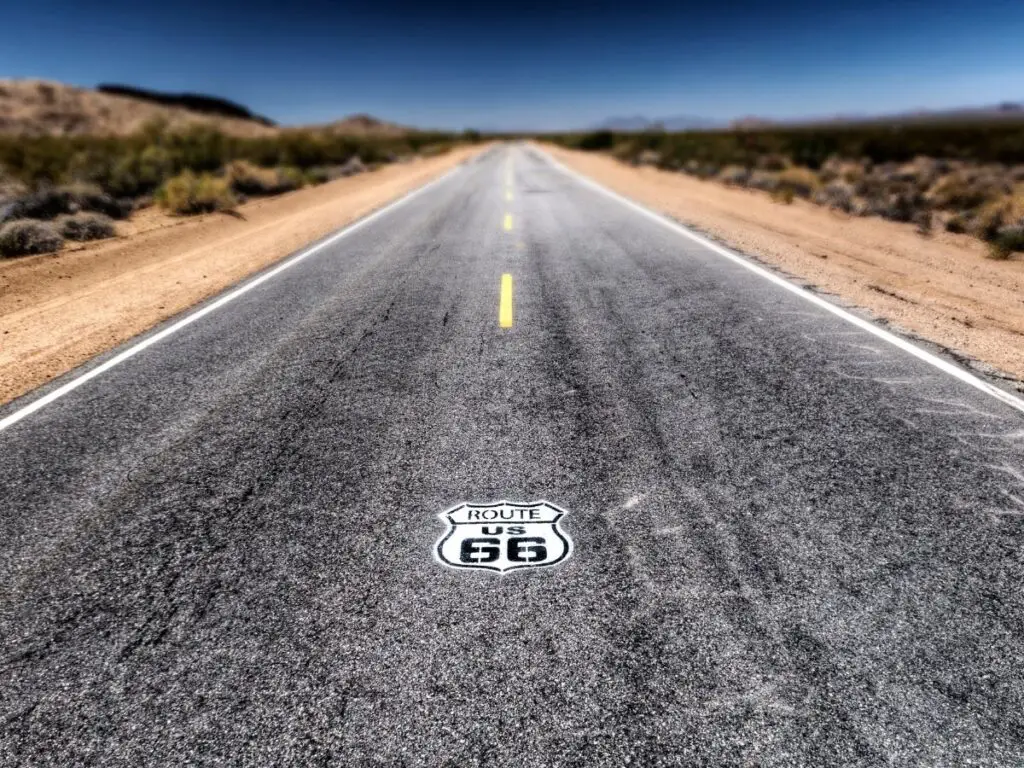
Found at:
<point>794,543</point>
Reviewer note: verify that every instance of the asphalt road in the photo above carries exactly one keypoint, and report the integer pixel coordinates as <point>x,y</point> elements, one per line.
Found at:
<point>794,543</point>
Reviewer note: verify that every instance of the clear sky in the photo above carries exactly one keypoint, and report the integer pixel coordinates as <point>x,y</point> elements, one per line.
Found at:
<point>532,65</point>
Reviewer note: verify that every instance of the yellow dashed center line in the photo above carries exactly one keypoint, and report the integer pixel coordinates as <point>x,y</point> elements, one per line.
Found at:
<point>508,222</point>
<point>508,195</point>
<point>505,302</point>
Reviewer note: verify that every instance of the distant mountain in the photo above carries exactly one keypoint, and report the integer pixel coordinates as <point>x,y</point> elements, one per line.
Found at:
<point>1008,110</point>
<point>675,123</point>
<point>363,125</point>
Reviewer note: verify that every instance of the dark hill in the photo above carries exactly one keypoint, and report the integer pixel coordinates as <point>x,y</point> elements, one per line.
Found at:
<point>196,102</point>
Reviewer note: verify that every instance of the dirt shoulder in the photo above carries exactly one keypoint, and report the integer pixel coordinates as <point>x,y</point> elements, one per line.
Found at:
<point>59,310</point>
<point>940,287</point>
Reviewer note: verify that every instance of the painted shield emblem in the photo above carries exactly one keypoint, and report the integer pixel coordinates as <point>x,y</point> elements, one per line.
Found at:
<point>503,536</point>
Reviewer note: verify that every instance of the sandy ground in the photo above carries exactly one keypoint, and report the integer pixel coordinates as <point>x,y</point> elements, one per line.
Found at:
<point>940,287</point>
<point>59,310</point>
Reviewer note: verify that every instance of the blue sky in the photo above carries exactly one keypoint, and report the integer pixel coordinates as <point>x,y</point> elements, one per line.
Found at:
<point>533,65</point>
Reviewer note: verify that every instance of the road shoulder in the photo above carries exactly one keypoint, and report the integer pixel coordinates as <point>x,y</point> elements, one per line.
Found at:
<point>59,310</point>
<point>940,287</point>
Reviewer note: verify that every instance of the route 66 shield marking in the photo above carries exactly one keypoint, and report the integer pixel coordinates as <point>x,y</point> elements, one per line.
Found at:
<point>503,536</point>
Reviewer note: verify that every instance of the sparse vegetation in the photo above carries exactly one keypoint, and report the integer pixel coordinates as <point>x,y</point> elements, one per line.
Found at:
<point>190,170</point>
<point>801,182</point>
<point>965,178</point>
<point>1007,241</point>
<point>189,193</point>
<point>27,236</point>
<point>245,178</point>
<point>86,226</point>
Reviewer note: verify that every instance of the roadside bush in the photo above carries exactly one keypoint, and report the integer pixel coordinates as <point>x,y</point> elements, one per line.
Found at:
<point>802,182</point>
<point>764,180</point>
<point>841,169</point>
<point>957,224</point>
<point>51,202</point>
<point>772,162</point>
<point>45,203</point>
<point>648,157</point>
<point>89,197</point>
<point>836,194</point>
<point>317,175</point>
<point>994,216</point>
<point>25,236</point>
<point>784,195</point>
<point>245,178</point>
<point>290,177</point>
<point>86,226</point>
<point>734,175</point>
<point>188,193</point>
<point>350,167</point>
<point>1007,241</point>
<point>966,189</point>
<point>597,141</point>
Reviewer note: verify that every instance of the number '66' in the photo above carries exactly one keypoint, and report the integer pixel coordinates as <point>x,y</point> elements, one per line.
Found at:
<point>518,549</point>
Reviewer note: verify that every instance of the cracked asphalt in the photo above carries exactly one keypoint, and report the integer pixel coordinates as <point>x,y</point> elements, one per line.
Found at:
<point>795,544</point>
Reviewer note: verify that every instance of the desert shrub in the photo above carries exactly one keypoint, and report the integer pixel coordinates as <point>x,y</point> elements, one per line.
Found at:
<point>245,178</point>
<point>354,165</point>
<point>966,189</point>
<point>189,193</point>
<point>85,226</point>
<point>772,162</point>
<point>317,175</point>
<point>996,215</point>
<point>957,224</point>
<point>290,177</point>
<point>783,195</point>
<point>734,175</point>
<point>802,182</point>
<point>842,169</point>
<point>766,181</point>
<point>1007,241</point>
<point>26,236</point>
<point>429,150</point>
<point>45,203</point>
<point>836,194</point>
<point>923,221</point>
<point>89,197</point>
<point>597,141</point>
<point>648,157</point>
<point>49,202</point>
<point>902,206</point>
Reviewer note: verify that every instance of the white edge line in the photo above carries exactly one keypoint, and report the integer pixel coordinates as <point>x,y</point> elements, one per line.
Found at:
<point>907,346</point>
<point>227,298</point>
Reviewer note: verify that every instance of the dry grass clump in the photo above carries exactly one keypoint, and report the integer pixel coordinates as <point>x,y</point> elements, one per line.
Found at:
<point>86,226</point>
<point>838,194</point>
<point>734,175</point>
<point>1007,241</point>
<point>249,179</point>
<point>25,236</point>
<point>802,182</point>
<point>841,169</point>
<point>766,181</point>
<point>188,193</point>
<point>968,188</point>
<point>50,202</point>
